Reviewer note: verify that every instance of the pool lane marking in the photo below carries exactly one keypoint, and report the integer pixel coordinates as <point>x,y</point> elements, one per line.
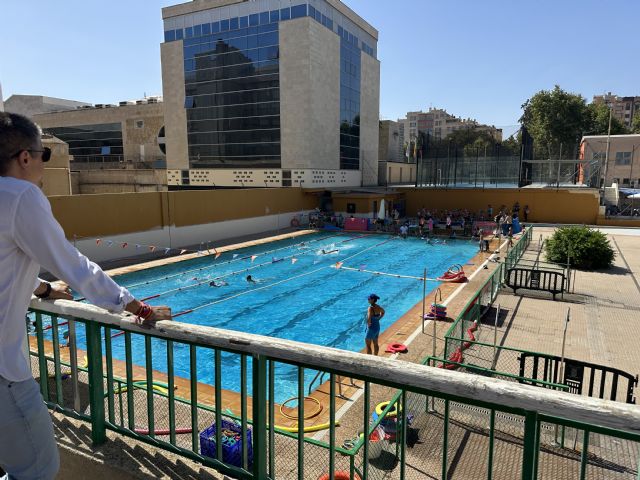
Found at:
<point>227,262</point>
<point>353,399</point>
<point>236,272</point>
<point>277,283</point>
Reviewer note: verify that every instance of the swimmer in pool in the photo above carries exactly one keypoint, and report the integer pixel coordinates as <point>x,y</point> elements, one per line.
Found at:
<point>221,283</point>
<point>327,252</point>
<point>250,279</point>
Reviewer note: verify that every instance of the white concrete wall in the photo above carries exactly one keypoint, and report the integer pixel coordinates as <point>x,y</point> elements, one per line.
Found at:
<point>369,118</point>
<point>178,237</point>
<point>309,95</point>
<point>175,114</point>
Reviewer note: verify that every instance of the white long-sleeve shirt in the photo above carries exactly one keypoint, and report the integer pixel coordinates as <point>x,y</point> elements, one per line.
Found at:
<point>30,238</point>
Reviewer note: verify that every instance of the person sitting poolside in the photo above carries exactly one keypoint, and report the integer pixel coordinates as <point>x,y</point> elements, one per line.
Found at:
<point>404,231</point>
<point>250,279</point>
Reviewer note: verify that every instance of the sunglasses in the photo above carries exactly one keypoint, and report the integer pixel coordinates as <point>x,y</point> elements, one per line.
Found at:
<point>46,153</point>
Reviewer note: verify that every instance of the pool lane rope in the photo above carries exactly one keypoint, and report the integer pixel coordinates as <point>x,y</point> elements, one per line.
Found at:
<point>148,282</point>
<point>373,272</point>
<point>209,304</point>
<point>236,272</point>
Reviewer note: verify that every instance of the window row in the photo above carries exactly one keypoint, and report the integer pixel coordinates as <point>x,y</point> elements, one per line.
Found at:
<point>247,70</point>
<point>221,47</point>
<point>349,163</point>
<point>84,136</point>
<point>242,32</point>
<point>320,18</point>
<point>235,150</point>
<point>237,23</point>
<point>241,137</point>
<point>99,127</point>
<point>231,124</point>
<point>234,111</point>
<point>266,56</point>
<point>96,150</point>
<point>257,82</point>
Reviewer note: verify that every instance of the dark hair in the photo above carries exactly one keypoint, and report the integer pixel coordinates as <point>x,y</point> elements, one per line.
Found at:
<point>16,132</point>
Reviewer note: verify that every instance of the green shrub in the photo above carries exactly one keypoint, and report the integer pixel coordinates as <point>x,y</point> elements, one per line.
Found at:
<point>588,249</point>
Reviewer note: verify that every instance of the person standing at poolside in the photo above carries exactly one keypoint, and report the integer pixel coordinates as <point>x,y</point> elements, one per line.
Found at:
<point>30,238</point>
<point>374,314</point>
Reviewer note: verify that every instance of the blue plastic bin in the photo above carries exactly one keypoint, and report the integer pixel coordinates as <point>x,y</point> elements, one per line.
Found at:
<point>231,447</point>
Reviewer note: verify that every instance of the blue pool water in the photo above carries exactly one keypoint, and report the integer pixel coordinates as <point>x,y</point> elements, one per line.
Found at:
<point>309,300</point>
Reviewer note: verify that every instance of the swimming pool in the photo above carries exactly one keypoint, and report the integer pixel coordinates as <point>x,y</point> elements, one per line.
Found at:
<point>299,295</point>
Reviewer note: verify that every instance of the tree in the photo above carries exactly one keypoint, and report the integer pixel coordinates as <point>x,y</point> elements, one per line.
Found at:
<point>556,120</point>
<point>598,121</point>
<point>635,123</point>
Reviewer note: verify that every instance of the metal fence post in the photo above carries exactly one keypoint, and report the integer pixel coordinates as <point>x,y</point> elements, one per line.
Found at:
<point>259,417</point>
<point>530,447</point>
<point>96,383</point>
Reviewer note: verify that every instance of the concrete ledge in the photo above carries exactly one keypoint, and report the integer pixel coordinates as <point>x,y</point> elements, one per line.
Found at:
<point>120,457</point>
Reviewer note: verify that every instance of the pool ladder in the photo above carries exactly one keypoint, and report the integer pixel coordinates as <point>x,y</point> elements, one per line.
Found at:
<point>320,378</point>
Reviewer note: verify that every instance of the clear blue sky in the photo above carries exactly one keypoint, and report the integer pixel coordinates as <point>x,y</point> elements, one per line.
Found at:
<point>479,59</point>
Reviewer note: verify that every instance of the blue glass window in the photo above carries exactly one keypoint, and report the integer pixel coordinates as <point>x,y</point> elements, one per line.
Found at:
<point>274,16</point>
<point>329,24</point>
<point>267,39</point>
<point>252,41</point>
<point>233,24</point>
<point>298,11</point>
<point>188,102</point>
<point>285,13</point>
<point>340,30</point>
<point>197,31</point>
<point>169,36</point>
<point>224,25</point>
<point>215,27</point>
<point>312,11</point>
<point>244,22</point>
<point>264,18</point>
<point>179,33</point>
<point>254,20</point>
<point>188,32</point>
<point>318,17</point>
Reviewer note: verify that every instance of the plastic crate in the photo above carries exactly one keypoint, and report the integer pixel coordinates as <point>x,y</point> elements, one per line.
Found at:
<point>231,446</point>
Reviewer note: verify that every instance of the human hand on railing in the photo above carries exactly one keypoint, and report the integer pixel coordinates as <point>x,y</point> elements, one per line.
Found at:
<point>60,292</point>
<point>147,315</point>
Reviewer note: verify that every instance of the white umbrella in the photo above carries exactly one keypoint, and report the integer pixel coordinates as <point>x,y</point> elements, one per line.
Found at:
<point>382,211</point>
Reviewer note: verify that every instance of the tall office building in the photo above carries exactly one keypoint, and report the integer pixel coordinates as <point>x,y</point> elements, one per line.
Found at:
<point>269,93</point>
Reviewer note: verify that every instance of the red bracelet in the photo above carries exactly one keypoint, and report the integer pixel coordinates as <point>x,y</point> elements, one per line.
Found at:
<point>144,311</point>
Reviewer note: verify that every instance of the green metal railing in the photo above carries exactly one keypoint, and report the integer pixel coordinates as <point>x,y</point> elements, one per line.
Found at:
<point>513,424</point>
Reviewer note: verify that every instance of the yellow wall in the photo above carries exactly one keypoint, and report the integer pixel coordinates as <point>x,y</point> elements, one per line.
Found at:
<point>118,213</point>
<point>546,205</point>
<point>618,222</point>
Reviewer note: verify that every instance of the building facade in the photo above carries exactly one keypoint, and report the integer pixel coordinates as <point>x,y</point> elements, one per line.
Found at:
<point>623,108</point>
<point>269,93</point>
<point>623,166</point>
<point>110,136</point>
<point>30,105</point>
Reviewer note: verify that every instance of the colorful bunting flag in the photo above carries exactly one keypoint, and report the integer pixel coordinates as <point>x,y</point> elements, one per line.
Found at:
<point>166,251</point>
<point>137,246</point>
<point>152,248</point>
<point>235,255</point>
<point>218,255</point>
<point>182,251</point>
<point>124,245</point>
<point>98,241</point>
<point>293,260</point>
<point>339,264</point>
<point>253,257</point>
<point>109,243</point>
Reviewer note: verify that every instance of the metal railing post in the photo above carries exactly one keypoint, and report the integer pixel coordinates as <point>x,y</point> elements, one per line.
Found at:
<point>530,447</point>
<point>96,385</point>
<point>259,416</point>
